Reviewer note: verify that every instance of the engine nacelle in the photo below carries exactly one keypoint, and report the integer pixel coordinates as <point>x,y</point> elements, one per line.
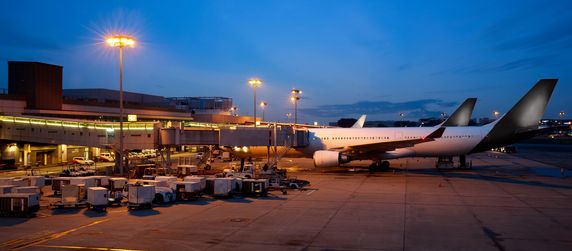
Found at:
<point>326,158</point>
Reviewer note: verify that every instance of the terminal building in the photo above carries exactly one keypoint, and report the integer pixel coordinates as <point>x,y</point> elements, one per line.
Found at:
<point>36,102</point>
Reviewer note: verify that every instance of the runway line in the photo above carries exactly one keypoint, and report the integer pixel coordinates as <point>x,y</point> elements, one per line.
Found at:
<point>35,241</point>
<point>86,248</point>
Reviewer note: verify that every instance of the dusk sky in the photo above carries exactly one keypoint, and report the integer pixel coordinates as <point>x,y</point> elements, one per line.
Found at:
<point>349,57</point>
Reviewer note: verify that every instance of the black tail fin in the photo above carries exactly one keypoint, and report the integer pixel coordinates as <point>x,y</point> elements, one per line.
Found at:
<point>462,115</point>
<point>522,118</point>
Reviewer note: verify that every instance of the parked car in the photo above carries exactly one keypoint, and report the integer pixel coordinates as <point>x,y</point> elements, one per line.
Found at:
<point>106,157</point>
<point>82,161</point>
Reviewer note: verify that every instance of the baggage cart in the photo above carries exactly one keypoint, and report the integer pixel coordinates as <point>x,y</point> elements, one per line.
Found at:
<point>72,196</point>
<point>222,187</point>
<point>186,190</point>
<point>101,181</point>
<point>39,181</point>
<point>255,187</point>
<point>201,180</point>
<point>140,196</point>
<point>58,182</point>
<point>88,181</point>
<point>27,189</point>
<point>97,198</point>
<point>4,189</point>
<point>19,204</point>
<point>5,181</point>
<point>20,182</point>
<point>166,181</point>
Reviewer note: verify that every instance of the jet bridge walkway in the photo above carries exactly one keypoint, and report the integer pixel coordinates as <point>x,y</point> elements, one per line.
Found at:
<point>143,135</point>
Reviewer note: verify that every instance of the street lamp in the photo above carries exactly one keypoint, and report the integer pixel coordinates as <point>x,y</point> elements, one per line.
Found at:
<point>120,41</point>
<point>496,114</point>
<point>401,115</point>
<point>263,105</point>
<point>289,115</point>
<point>233,110</point>
<point>295,97</point>
<point>254,82</point>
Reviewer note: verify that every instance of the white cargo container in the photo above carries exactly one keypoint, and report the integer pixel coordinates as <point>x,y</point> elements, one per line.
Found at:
<point>97,197</point>
<point>164,195</point>
<point>5,181</point>
<point>201,180</point>
<point>101,181</point>
<point>73,194</point>
<point>117,184</point>
<point>185,170</point>
<point>187,189</point>
<point>26,189</point>
<point>166,180</point>
<point>20,182</point>
<point>39,181</point>
<point>58,182</point>
<point>141,196</point>
<point>222,186</point>
<point>87,181</point>
<point>19,203</point>
<point>4,189</point>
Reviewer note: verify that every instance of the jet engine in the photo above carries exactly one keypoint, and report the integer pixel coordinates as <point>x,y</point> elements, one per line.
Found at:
<point>326,158</point>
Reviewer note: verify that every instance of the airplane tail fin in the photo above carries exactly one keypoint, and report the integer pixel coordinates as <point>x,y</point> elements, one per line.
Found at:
<point>359,123</point>
<point>462,115</point>
<point>522,118</point>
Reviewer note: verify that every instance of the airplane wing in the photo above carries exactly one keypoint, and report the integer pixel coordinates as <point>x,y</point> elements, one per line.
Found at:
<point>392,145</point>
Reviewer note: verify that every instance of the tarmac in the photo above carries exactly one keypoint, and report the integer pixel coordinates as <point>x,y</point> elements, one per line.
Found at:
<point>505,202</point>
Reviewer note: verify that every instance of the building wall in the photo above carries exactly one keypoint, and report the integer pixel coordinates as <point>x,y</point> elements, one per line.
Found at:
<point>39,83</point>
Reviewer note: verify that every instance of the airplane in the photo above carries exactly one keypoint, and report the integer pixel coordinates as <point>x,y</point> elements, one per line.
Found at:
<point>331,147</point>
<point>460,117</point>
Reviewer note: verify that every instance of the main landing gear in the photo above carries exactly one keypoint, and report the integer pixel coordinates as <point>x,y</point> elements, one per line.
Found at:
<point>379,166</point>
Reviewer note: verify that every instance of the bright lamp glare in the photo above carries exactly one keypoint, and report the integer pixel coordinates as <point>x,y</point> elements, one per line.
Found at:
<point>120,41</point>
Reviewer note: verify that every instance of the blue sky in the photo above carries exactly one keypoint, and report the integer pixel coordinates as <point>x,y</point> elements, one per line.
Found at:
<point>348,57</point>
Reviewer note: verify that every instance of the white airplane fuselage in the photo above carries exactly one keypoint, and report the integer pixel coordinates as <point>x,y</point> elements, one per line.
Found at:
<point>454,141</point>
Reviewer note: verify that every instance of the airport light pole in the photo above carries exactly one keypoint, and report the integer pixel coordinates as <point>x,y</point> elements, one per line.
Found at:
<point>289,116</point>
<point>401,115</point>
<point>295,97</point>
<point>496,114</point>
<point>120,41</point>
<point>263,106</point>
<point>254,82</point>
<point>233,110</point>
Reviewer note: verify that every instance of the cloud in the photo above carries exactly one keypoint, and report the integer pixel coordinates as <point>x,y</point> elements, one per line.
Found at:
<point>413,109</point>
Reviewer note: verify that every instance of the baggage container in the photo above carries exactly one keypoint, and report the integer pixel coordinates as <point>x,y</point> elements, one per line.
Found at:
<point>101,181</point>
<point>27,189</point>
<point>186,170</point>
<point>5,181</point>
<point>117,184</point>
<point>166,180</point>
<point>58,182</point>
<point>141,196</point>
<point>19,203</point>
<point>87,181</point>
<point>209,185</point>
<point>201,180</point>
<point>222,186</point>
<point>187,189</point>
<point>164,195</point>
<point>20,182</point>
<point>255,187</point>
<point>97,197</point>
<point>38,181</point>
<point>4,189</point>
<point>73,194</point>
